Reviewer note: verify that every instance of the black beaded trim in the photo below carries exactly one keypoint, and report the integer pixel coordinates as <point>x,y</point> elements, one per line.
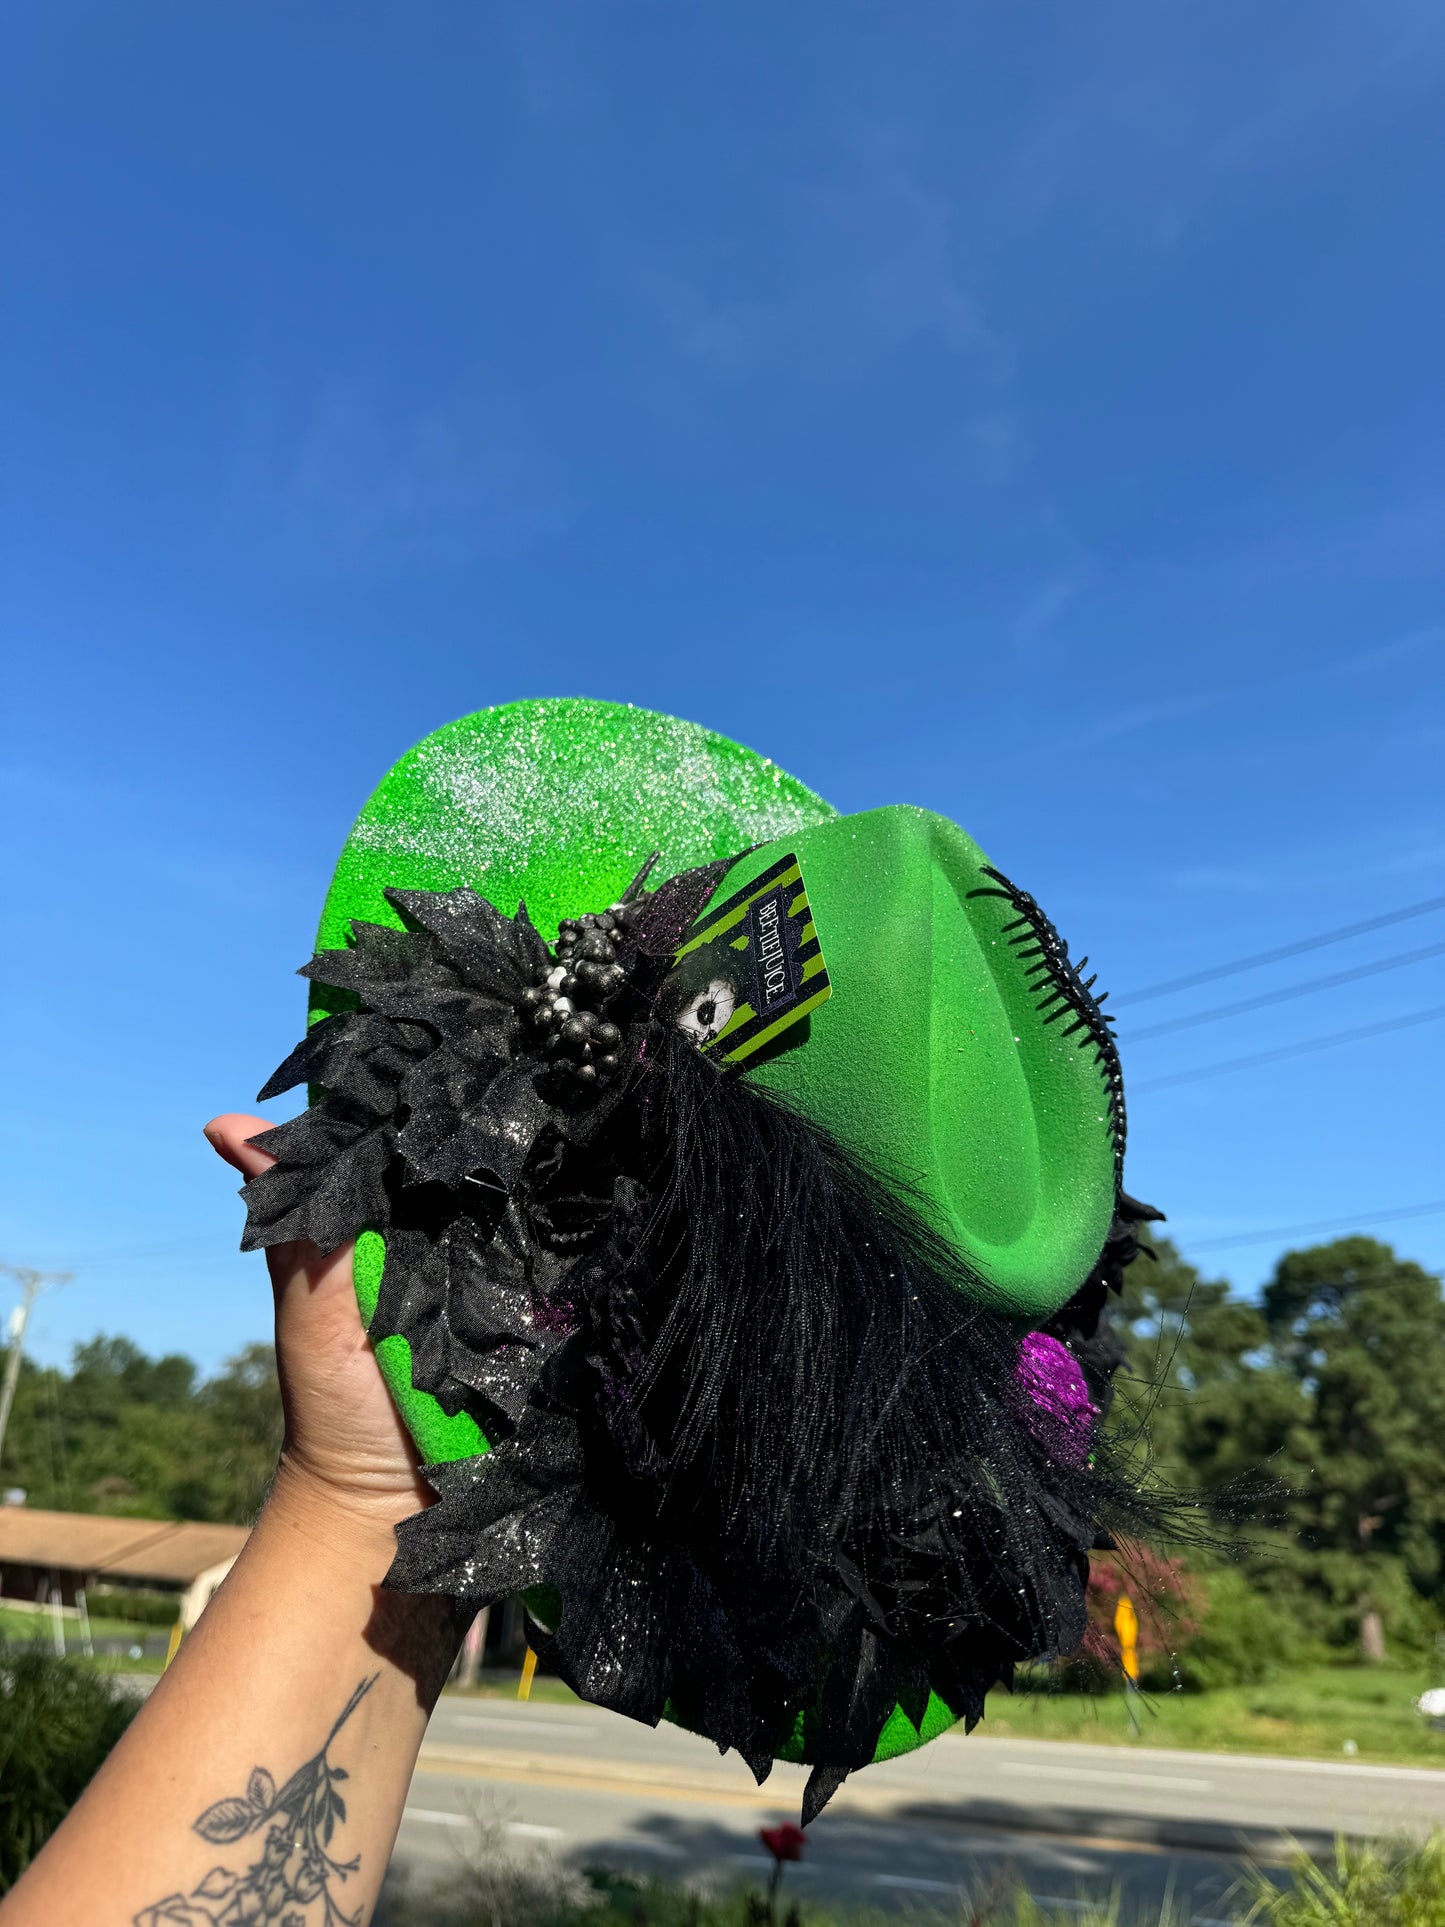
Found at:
<point>1063,989</point>
<point>568,996</point>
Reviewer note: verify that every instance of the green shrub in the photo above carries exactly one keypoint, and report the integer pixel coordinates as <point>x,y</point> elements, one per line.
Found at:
<point>58,1720</point>
<point>138,1607</point>
<point>495,1886</point>
<point>1391,1885</point>
<point>1242,1637</point>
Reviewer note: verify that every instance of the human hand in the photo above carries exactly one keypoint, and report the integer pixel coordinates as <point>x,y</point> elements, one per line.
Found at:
<point>347,1457</point>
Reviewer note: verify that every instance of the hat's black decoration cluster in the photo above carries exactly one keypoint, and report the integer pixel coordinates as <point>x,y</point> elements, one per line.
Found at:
<point>570,990</point>
<point>755,1458</point>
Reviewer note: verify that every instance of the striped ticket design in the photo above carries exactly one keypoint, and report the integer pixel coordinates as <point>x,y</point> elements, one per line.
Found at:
<point>752,966</point>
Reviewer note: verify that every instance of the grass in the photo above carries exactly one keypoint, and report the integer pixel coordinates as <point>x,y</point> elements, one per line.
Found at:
<point>29,1627</point>
<point>1309,1712</point>
<point>1366,1885</point>
<point>494,1885</point>
<point>23,1622</point>
<point>501,1684</point>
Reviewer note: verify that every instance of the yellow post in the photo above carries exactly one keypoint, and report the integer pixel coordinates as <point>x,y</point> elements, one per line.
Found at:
<point>175,1645</point>
<point>524,1684</point>
<point>1126,1626</point>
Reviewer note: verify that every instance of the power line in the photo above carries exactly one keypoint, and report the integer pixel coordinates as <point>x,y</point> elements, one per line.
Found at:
<point>1289,1050</point>
<point>168,1247</point>
<point>1262,957</point>
<point>1289,992</point>
<point>183,1257</point>
<point>1320,1224</point>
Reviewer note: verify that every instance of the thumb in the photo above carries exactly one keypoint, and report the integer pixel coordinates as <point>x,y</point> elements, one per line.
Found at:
<point>229,1135</point>
<point>325,1274</point>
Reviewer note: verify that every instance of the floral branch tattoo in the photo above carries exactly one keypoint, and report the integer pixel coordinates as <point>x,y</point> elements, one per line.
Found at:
<point>295,1868</point>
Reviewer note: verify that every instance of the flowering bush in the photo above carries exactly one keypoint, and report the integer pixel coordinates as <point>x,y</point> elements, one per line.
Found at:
<point>1199,1631</point>
<point>1170,1605</point>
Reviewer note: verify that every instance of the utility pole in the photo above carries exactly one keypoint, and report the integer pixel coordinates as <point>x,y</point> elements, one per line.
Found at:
<point>31,1283</point>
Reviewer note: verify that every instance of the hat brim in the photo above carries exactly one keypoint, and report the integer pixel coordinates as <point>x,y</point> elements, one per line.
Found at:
<point>555,802</point>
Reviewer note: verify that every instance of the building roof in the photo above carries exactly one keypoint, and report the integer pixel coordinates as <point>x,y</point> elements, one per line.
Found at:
<point>149,1549</point>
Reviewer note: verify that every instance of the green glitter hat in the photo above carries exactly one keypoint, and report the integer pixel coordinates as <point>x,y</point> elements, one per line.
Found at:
<point>932,1061</point>
<point>622,1284</point>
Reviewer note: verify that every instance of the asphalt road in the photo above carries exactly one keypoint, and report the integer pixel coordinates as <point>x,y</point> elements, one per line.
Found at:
<point>588,1787</point>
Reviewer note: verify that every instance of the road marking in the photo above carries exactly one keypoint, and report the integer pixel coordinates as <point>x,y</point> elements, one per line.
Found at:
<point>914,1884</point>
<point>587,1776</point>
<point>603,1776</point>
<point>520,1723</point>
<point>1082,1757</point>
<point>438,1818</point>
<point>1076,1863</point>
<point>1096,1773</point>
<point>1431,1775</point>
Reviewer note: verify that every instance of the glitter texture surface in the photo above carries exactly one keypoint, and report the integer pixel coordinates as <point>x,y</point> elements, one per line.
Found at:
<point>1054,1380</point>
<point>557,801</point>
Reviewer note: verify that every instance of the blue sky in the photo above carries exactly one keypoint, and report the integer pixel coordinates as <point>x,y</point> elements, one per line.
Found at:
<point>1034,413</point>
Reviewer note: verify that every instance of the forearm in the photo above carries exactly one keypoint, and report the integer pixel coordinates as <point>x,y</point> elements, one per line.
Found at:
<point>306,1595</point>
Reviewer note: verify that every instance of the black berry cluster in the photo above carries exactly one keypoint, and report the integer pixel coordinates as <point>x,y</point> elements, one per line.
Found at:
<point>567,1000</point>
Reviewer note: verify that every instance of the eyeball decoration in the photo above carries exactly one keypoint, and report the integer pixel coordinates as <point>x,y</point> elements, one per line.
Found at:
<point>708,1014</point>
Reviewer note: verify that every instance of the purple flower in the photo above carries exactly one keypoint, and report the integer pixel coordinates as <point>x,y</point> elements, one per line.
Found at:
<point>1054,1380</point>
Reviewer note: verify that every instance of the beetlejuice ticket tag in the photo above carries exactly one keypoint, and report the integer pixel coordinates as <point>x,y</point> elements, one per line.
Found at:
<point>750,968</point>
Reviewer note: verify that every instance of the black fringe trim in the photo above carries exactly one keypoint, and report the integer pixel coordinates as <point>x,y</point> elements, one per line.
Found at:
<point>1063,991</point>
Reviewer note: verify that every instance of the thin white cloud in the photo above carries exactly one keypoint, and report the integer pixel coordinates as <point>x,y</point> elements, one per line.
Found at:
<point>871,271</point>
<point>1044,609</point>
<point>358,483</point>
<point>997,448</point>
<point>1127,721</point>
<point>1405,649</point>
<point>1173,106</point>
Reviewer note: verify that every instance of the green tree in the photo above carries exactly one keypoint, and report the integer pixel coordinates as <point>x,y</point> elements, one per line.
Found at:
<point>1319,1411</point>
<point>114,1372</point>
<point>1362,1333</point>
<point>243,1406</point>
<point>1201,1376</point>
<point>130,1434</point>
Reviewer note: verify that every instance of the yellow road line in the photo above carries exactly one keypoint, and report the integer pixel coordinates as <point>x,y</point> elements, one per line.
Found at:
<point>565,1770</point>
<point>581,1775</point>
